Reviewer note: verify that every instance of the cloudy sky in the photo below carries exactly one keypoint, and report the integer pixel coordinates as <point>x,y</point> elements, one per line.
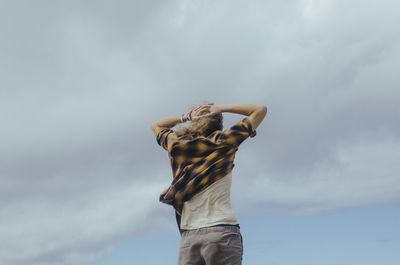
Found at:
<point>81,82</point>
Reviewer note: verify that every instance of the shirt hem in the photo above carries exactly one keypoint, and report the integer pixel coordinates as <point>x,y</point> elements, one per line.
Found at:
<point>211,224</point>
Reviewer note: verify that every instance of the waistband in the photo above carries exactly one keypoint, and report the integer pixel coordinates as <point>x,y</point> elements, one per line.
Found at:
<point>208,229</point>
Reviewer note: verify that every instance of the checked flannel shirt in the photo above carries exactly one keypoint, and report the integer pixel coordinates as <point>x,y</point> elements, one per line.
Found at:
<point>197,162</point>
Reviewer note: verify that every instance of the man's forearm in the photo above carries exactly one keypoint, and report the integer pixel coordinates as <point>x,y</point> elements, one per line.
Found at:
<point>168,122</point>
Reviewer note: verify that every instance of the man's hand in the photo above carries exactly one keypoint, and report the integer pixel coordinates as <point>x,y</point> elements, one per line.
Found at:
<point>201,110</point>
<point>206,110</point>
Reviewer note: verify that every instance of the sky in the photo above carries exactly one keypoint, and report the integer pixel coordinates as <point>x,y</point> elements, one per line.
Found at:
<point>82,81</point>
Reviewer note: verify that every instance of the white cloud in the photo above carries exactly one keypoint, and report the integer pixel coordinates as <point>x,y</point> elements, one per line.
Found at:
<point>361,173</point>
<point>312,10</point>
<point>74,227</point>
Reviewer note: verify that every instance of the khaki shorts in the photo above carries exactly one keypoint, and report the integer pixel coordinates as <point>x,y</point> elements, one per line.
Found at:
<point>215,245</point>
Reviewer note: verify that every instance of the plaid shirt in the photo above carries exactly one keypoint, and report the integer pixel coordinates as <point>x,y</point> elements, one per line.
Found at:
<point>197,162</point>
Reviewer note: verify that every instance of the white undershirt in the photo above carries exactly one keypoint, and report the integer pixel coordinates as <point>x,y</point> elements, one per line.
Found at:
<point>211,206</point>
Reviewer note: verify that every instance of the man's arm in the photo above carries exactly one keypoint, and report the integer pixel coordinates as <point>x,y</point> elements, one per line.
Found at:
<point>255,112</point>
<point>167,123</point>
<point>170,122</point>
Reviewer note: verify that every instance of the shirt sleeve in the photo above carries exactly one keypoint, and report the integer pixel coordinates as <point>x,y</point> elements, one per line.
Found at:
<point>238,132</point>
<point>163,136</point>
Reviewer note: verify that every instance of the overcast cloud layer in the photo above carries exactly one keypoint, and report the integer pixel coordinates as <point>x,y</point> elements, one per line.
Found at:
<point>81,82</point>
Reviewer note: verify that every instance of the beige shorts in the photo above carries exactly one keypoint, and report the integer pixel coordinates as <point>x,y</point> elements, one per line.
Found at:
<point>215,245</point>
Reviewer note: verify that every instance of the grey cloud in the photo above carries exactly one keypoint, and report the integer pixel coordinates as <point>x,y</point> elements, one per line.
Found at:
<point>82,82</point>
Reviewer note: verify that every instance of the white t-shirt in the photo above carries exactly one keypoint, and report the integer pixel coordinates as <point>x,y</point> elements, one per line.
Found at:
<point>211,206</point>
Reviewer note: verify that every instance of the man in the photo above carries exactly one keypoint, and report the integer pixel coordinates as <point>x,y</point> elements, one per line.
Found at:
<point>201,157</point>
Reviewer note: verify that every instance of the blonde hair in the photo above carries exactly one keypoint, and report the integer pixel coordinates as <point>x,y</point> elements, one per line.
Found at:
<point>203,126</point>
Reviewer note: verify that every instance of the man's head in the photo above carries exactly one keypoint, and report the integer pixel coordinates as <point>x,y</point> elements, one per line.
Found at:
<point>203,125</point>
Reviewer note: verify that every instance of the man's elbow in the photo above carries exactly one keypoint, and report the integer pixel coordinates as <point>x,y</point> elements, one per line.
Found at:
<point>263,109</point>
<point>154,127</point>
